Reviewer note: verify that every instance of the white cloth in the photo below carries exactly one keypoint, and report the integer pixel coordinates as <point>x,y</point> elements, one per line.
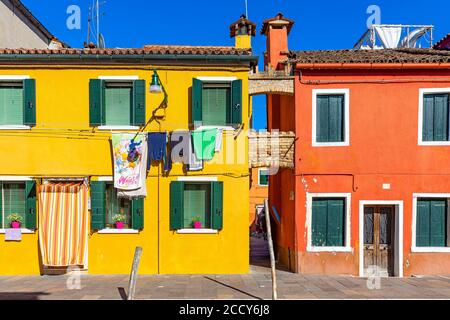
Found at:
<point>219,140</point>
<point>389,36</point>
<point>142,191</point>
<point>13,235</point>
<point>410,40</point>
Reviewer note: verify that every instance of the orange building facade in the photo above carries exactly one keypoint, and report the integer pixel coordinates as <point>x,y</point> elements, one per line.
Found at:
<point>371,184</point>
<point>259,191</point>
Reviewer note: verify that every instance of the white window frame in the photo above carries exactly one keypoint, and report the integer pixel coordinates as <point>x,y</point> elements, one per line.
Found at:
<point>13,179</point>
<point>14,78</point>
<point>414,248</point>
<point>347,240</point>
<point>346,93</point>
<point>259,177</point>
<point>192,230</point>
<point>422,92</point>
<point>217,79</point>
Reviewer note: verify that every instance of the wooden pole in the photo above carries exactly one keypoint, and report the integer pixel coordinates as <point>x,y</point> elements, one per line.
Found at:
<point>272,255</point>
<point>133,275</point>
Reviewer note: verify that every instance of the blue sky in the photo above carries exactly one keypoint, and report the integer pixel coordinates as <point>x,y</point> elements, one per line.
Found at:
<point>320,24</point>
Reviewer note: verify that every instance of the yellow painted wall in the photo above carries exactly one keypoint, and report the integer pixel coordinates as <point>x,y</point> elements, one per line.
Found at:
<point>63,145</point>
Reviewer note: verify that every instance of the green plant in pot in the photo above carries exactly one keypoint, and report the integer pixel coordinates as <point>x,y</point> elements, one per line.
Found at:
<point>119,220</point>
<point>15,220</point>
<point>196,222</point>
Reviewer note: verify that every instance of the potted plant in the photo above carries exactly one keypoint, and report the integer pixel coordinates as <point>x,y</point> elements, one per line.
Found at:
<point>15,220</point>
<point>119,220</point>
<point>196,223</point>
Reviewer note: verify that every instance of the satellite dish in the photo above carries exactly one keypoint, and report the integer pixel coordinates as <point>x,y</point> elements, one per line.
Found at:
<point>101,42</point>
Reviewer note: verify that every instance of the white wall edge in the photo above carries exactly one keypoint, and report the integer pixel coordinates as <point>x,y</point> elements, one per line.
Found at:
<point>198,179</point>
<point>197,231</point>
<point>14,77</point>
<point>118,231</point>
<point>118,77</point>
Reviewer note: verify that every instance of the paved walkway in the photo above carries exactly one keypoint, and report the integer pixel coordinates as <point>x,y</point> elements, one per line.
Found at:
<point>255,285</point>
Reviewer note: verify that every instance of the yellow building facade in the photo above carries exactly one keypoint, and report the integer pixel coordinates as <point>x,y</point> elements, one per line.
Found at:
<point>62,144</point>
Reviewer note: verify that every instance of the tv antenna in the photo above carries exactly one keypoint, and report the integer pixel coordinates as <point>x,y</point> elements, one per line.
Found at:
<point>94,24</point>
<point>246,8</point>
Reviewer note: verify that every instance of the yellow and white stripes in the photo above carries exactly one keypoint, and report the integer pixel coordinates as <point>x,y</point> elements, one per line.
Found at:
<point>63,223</point>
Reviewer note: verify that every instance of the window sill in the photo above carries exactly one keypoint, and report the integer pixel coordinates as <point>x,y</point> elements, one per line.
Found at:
<point>434,143</point>
<point>14,127</point>
<point>430,249</point>
<point>330,144</point>
<point>224,128</point>
<point>197,231</point>
<point>118,231</point>
<point>329,249</point>
<point>110,128</point>
<point>24,231</point>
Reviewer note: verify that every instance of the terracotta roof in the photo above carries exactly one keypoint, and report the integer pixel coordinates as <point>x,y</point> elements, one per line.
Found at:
<point>440,42</point>
<point>34,21</point>
<point>371,56</point>
<point>278,17</point>
<point>148,49</point>
<point>242,21</point>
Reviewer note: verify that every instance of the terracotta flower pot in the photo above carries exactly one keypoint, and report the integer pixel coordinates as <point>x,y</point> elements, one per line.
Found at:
<point>197,225</point>
<point>119,224</point>
<point>15,225</point>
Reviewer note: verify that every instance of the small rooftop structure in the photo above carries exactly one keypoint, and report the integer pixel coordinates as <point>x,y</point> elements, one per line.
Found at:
<point>279,21</point>
<point>393,36</point>
<point>242,27</point>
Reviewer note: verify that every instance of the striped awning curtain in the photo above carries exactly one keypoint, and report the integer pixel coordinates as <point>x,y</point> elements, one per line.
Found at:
<point>63,223</point>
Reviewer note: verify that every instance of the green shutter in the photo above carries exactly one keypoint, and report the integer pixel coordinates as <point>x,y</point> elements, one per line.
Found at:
<point>330,118</point>
<point>438,223</point>
<point>423,223</point>
<point>319,222</point>
<point>217,206</point>
<point>138,103</point>
<point>440,117</point>
<point>29,102</point>
<point>96,102</point>
<point>98,205</point>
<point>30,205</point>
<point>11,105</point>
<point>435,123</point>
<point>197,92</point>
<point>137,207</point>
<point>335,222</point>
<point>176,205</point>
<point>236,102</point>
<point>335,126</point>
<point>216,106</point>
<point>322,116</point>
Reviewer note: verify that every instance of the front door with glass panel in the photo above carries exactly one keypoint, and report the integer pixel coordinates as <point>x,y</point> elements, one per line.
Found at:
<point>379,240</point>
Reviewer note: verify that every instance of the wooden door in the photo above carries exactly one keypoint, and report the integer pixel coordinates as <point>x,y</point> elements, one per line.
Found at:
<point>379,239</point>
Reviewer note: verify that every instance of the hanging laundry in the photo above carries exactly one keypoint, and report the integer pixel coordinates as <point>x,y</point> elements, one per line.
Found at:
<point>128,151</point>
<point>219,140</point>
<point>142,191</point>
<point>157,149</point>
<point>204,143</point>
<point>182,150</point>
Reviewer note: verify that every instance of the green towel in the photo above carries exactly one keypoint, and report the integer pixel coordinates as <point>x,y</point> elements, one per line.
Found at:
<point>204,143</point>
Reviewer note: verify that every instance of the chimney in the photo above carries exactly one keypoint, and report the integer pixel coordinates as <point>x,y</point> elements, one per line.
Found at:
<point>276,30</point>
<point>243,30</point>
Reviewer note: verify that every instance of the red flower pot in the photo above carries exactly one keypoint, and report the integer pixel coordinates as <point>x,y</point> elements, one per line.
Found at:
<point>197,225</point>
<point>119,225</point>
<point>15,225</point>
